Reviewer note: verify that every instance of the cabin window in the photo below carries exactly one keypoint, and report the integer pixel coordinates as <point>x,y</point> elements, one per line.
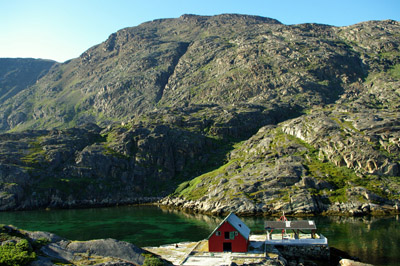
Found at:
<point>231,235</point>
<point>227,235</point>
<point>218,233</point>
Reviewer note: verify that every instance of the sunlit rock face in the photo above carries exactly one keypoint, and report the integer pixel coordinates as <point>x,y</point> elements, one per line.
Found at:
<point>223,113</point>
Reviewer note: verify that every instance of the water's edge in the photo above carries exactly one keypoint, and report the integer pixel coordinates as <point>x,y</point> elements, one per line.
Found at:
<point>374,239</point>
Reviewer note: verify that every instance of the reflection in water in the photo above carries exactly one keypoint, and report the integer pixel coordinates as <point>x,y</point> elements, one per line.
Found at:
<point>374,240</point>
<point>209,220</point>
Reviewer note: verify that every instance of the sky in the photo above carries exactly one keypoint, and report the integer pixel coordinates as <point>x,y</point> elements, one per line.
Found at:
<point>64,29</point>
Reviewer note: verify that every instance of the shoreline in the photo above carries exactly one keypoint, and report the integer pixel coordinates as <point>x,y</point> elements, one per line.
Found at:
<point>381,212</point>
<point>384,211</point>
<point>373,227</point>
<point>44,248</point>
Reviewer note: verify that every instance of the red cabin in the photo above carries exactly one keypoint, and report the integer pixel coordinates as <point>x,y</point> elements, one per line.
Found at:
<point>231,235</point>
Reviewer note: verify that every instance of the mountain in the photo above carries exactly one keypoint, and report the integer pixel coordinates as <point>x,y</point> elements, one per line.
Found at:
<point>17,74</point>
<point>226,59</point>
<point>222,113</point>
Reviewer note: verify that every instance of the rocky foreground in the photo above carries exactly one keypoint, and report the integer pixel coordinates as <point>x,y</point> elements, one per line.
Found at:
<point>19,247</point>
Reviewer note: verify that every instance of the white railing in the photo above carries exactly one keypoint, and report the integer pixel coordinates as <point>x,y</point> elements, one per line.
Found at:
<point>302,241</point>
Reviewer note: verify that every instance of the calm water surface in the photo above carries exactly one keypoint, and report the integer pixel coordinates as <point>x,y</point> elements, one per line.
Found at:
<point>374,240</point>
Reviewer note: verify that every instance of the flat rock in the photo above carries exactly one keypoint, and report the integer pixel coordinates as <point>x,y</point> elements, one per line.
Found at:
<point>348,262</point>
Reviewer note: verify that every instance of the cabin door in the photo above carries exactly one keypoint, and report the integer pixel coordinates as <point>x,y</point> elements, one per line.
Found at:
<point>227,246</point>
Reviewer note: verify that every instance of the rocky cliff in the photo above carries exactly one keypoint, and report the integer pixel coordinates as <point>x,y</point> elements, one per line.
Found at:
<point>232,112</point>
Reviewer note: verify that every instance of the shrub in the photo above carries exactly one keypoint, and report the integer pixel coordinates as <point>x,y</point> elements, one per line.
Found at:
<point>152,261</point>
<point>18,254</point>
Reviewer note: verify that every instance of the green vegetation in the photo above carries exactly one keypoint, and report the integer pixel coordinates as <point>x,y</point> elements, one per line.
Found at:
<point>16,254</point>
<point>392,55</point>
<point>151,260</point>
<point>395,72</point>
<point>193,189</point>
<point>36,153</point>
<point>197,187</point>
<point>338,176</point>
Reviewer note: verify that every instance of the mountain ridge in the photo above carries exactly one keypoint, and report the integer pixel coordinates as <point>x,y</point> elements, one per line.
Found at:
<point>145,36</point>
<point>223,113</point>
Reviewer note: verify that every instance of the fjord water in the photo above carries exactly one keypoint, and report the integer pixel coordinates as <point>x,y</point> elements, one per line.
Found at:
<point>374,240</point>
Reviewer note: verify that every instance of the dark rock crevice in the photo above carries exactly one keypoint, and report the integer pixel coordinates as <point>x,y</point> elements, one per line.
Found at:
<point>164,77</point>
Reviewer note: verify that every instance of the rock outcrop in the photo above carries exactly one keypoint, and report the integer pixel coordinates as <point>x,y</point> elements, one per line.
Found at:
<point>89,167</point>
<point>54,250</point>
<point>274,171</point>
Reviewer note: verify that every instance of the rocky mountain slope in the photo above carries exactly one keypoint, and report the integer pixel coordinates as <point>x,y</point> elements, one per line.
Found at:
<point>232,112</point>
<point>226,59</point>
<point>17,74</point>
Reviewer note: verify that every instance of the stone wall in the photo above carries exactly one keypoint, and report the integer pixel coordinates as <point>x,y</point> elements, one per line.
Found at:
<point>313,252</point>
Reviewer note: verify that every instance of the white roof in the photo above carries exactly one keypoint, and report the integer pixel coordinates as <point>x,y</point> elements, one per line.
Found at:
<point>299,224</point>
<point>238,224</point>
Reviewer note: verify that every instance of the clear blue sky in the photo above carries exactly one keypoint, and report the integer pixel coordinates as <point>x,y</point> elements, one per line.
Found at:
<point>63,29</point>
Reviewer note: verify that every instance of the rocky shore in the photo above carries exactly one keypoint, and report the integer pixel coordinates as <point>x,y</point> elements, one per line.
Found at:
<point>47,249</point>
<point>20,247</point>
<point>248,209</point>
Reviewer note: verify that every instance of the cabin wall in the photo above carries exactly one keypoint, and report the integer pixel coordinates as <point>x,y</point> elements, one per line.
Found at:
<point>216,243</point>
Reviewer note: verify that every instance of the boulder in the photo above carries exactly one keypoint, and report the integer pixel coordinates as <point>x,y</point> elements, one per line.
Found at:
<point>109,248</point>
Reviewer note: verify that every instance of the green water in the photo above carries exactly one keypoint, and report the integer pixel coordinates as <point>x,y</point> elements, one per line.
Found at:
<point>374,240</point>
<point>141,225</point>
